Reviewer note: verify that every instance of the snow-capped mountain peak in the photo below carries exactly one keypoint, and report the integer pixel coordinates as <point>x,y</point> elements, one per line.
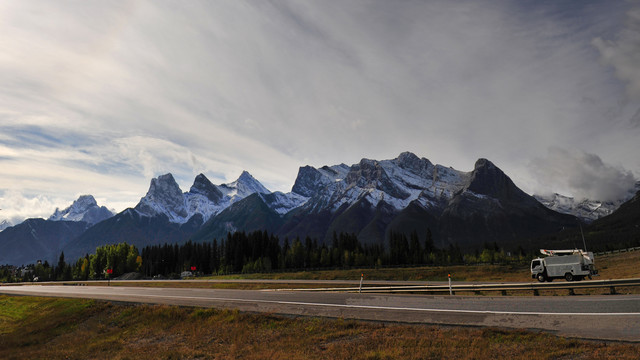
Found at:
<point>203,186</point>
<point>248,185</point>
<point>397,182</point>
<point>164,197</point>
<point>311,180</point>
<point>5,224</point>
<point>85,208</point>
<point>587,210</point>
<point>244,186</point>
<point>410,162</point>
<point>204,198</point>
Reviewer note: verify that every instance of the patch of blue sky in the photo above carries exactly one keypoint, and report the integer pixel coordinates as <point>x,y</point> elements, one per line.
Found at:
<point>102,165</point>
<point>34,137</point>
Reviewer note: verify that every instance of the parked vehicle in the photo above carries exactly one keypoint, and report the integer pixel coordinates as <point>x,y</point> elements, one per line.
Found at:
<point>572,265</point>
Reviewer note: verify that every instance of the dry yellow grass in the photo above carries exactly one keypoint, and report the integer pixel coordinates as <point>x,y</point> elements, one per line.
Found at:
<point>82,329</point>
<point>612,266</point>
<point>619,266</point>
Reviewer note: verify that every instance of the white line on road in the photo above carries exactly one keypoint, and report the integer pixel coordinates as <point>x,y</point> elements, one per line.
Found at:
<point>374,307</point>
<point>370,307</point>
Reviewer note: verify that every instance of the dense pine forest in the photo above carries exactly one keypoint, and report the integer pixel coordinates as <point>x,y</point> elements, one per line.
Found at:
<point>257,252</point>
<point>260,252</point>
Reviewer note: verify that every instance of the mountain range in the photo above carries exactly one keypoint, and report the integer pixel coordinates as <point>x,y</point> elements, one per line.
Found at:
<point>370,199</point>
<point>36,239</point>
<point>587,210</point>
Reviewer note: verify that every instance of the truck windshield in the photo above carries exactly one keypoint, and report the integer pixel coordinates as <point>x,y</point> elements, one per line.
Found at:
<point>535,263</point>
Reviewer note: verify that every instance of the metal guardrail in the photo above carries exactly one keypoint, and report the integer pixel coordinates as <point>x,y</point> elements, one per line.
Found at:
<point>478,288</point>
<point>617,251</point>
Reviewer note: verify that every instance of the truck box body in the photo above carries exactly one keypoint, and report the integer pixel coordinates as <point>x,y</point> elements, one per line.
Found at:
<point>557,266</point>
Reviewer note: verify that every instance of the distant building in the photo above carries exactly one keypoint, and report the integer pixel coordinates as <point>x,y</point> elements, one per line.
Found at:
<point>25,271</point>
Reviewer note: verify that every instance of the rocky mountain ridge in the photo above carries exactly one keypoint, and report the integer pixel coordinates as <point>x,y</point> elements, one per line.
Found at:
<point>407,193</point>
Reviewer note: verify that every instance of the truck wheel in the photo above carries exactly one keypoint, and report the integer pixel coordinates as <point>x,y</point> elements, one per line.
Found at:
<point>541,277</point>
<point>568,276</point>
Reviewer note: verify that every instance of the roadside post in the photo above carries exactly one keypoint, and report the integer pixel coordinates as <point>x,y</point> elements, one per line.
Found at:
<point>361,278</point>
<point>109,272</point>
<point>450,291</point>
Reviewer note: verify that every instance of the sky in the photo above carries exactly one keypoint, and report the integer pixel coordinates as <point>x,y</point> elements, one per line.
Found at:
<point>99,97</point>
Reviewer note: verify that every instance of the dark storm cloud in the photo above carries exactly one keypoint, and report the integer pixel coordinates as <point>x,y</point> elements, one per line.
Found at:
<point>622,51</point>
<point>583,175</point>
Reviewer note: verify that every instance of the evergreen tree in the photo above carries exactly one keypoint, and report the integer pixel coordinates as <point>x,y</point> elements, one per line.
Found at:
<point>415,250</point>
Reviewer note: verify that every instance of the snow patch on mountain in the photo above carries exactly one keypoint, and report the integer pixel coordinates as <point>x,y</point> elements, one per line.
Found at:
<point>199,204</point>
<point>586,210</point>
<point>283,203</point>
<point>336,172</point>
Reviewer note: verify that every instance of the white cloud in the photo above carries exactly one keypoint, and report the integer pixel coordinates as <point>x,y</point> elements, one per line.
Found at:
<point>16,206</point>
<point>582,175</point>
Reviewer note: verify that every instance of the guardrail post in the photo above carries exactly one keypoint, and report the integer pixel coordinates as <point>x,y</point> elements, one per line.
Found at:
<point>571,291</point>
<point>503,292</point>
<point>535,292</point>
<point>361,278</point>
<point>450,290</point>
<point>612,290</point>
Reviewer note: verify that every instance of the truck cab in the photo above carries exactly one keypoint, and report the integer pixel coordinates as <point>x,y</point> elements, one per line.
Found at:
<point>537,268</point>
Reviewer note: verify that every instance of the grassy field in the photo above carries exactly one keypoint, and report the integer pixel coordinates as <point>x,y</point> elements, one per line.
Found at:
<point>619,266</point>
<point>423,273</point>
<point>46,328</point>
<point>613,266</point>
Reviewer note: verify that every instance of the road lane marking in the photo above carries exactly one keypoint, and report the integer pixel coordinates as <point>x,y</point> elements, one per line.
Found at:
<point>375,307</point>
<point>367,307</point>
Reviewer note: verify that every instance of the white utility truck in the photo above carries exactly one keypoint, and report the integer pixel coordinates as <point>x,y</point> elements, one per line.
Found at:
<point>572,265</point>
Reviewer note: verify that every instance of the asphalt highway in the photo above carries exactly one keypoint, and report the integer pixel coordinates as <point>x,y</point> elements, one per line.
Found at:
<point>589,317</point>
